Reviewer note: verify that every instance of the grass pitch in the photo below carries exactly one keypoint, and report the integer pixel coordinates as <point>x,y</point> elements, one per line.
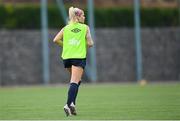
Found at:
<point>100,102</point>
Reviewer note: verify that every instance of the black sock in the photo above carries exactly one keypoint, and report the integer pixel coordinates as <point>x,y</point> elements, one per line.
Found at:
<point>74,101</point>
<point>72,93</point>
<point>79,83</point>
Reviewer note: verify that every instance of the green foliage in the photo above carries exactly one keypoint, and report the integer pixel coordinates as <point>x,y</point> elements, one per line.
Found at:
<point>19,17</point>
<point>159,17</point>
<point>55,18</point>
<point>114,17</point>
<point>29,17</point>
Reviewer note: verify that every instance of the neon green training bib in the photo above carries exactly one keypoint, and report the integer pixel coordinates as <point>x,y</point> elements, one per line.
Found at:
<point>74,41</point>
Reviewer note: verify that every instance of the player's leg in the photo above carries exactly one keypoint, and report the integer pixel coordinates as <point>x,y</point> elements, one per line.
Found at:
<point>76,70</point>
<point>76,74</point>
<point>67,65</point>
<point>79,83</point>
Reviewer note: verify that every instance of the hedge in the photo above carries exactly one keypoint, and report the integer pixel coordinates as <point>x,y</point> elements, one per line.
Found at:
<point>28,17</point>
<point>19,17</point>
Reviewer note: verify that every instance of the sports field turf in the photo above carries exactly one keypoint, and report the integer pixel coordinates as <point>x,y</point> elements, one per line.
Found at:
<point>96,101</point>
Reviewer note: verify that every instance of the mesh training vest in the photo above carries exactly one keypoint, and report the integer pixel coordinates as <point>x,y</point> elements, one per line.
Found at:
<point>74,41</point>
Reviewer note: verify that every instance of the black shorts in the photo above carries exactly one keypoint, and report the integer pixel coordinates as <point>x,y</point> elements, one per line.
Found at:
<point>75,62</point>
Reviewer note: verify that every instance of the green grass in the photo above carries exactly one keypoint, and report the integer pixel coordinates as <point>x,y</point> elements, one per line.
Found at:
<point>100,101</point>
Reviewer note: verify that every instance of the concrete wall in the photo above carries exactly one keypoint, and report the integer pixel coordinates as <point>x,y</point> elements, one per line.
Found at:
<point>21,56</point>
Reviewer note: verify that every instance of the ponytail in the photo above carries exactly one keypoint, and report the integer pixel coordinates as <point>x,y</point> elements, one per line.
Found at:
<point>74,13</point>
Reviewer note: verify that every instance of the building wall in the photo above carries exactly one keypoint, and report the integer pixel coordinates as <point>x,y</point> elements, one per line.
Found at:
<point>21,56</point>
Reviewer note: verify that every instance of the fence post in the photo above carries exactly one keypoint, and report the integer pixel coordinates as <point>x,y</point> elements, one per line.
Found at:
<point>138,40</point>
<point>45,47</point>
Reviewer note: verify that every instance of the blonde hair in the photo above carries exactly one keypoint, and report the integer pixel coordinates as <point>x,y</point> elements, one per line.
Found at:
<point>74,14</point>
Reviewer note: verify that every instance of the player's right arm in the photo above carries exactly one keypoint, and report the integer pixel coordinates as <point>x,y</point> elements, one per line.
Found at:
<point>59,38</point>
<point>90,42</point>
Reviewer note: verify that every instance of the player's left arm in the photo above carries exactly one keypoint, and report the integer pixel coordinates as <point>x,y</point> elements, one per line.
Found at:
<point>59,38</point>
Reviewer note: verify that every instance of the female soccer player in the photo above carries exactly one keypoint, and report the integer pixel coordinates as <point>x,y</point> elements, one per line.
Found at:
<point>74,38</point>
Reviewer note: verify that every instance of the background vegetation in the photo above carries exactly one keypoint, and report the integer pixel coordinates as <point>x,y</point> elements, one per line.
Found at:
<point>28,17</point>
